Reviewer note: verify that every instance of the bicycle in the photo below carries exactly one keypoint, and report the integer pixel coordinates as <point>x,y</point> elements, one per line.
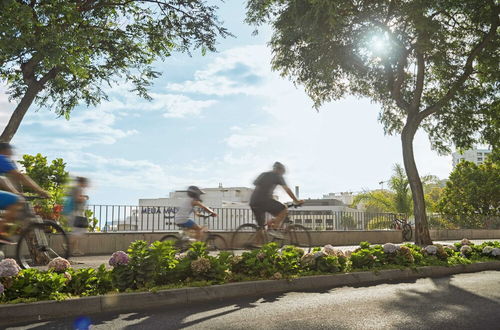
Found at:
<point>183,239</point>
<point>38,241</point>
<point>403,225</point>
<point>246,235</point>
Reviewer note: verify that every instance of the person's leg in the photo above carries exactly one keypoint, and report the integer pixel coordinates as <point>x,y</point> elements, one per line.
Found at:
<point>260,218</point>
<point>11,203</point>
<point>279,211</point>
<point>193,226</point>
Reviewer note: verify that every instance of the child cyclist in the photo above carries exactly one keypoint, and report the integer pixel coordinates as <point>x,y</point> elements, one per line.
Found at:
<point>184,216</point>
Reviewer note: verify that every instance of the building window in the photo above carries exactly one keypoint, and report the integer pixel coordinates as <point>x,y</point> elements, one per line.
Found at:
<point>480,159</point>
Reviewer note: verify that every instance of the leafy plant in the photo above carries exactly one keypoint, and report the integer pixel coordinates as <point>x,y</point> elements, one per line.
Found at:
<point>89,281</point>
<point>33,283</point>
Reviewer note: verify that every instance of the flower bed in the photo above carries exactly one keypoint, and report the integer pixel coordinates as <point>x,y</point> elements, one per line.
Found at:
<point>153,266</point>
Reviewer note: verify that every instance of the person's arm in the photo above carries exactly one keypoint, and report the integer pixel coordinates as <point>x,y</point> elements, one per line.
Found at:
<point>199,204</point>
<point>292,195</point>
<point>27,181</point>
<point>8,186</point>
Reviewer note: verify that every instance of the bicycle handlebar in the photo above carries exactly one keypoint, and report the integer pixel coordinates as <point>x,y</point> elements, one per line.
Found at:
<point>205,216</point>
<point>292,204</point>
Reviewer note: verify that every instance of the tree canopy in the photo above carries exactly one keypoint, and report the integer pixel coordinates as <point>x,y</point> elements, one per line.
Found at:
<point>413,57</point>
<point>472,194</point>
<point>397,199</point>
<point>61,53</point>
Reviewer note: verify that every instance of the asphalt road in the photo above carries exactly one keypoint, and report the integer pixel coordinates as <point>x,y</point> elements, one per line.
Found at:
<point>464,301</point>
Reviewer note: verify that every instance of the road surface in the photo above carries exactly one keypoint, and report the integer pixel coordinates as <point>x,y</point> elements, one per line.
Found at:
<point>464,301</point>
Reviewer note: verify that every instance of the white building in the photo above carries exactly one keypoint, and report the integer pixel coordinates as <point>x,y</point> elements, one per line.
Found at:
<point>345,197</point>
<point>231,197</point>
<point>477,156</point>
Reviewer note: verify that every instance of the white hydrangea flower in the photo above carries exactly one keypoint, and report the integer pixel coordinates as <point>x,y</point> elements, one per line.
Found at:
<point>465,249</point>
<point>487,249</point>
<point>431,249</point>
<point>329,250</point>
<point>390,248</point>
<point>307,259</point>
<point>452,247</point>
<point>465,241</point>
<point>319,254</point>
<point>495,252</point>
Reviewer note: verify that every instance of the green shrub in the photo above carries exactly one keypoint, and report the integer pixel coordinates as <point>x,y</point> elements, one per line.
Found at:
<point>89,281</point>
<point>33,283</point>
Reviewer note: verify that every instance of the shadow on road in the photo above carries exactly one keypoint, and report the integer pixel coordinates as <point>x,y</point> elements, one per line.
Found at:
<point>447,306</point>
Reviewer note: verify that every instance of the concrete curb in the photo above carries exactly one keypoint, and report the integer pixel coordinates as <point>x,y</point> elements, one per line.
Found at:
<point>127,302</point>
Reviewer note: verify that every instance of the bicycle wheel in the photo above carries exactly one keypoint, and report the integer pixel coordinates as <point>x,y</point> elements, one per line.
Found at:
<point>246,236</point>
<point>39,243</point>
<point>407,232</point>
<point>215,243</point>
<point>299,236</point>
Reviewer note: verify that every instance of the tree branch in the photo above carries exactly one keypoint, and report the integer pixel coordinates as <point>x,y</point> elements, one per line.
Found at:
<point>28,69</point>
<point>467,70</point>
<point>419,85</point>
<point>49,76</point>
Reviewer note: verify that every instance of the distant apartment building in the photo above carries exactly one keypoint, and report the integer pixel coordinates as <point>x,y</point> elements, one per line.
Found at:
<point>345,197</point>
<point>221,197</point>
<point>477,156</point>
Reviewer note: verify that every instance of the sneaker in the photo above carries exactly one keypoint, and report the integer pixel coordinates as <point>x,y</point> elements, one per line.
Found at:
<point>275,233</point>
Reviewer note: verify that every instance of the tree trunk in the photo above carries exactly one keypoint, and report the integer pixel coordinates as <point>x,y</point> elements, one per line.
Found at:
<point>422,235</point>
<point>18,114</point>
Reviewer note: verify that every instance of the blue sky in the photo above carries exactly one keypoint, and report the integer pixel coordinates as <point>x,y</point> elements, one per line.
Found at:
<point>223,117</point>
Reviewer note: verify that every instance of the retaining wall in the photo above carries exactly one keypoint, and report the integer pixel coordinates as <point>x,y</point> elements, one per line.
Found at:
<point>107,243</point>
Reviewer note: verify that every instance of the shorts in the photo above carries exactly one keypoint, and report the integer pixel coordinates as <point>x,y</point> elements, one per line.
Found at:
<point>270,206</point>
<point>188,224</point>
<point>7,199</point>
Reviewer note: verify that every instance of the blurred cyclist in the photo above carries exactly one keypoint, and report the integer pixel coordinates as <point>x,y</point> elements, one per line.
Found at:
<point>184,216</point>
<point>10,198</point>
<point>262,200</point>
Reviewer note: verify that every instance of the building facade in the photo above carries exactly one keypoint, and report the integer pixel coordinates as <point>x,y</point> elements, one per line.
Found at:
<point>477,156</point>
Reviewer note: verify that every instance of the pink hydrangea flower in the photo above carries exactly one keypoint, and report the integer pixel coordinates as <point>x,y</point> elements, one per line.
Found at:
<point>119,258</point>
<point>9,267</point>
<point>59,264</point>
<point>465,241</point>
<point>200,265</point>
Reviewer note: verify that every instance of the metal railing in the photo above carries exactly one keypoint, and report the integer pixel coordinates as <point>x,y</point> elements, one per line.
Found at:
<point>119,218</point>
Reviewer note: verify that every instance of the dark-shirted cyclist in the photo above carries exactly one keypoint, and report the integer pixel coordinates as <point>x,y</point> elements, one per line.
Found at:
<point>262,200</point>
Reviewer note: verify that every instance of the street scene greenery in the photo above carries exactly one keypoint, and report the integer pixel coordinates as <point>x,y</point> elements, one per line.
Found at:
<point>429,64</point>
<point>58,54</point>
<point>151,267</point>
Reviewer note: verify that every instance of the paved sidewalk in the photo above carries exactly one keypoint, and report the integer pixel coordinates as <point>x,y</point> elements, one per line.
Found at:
<point>96,261</point>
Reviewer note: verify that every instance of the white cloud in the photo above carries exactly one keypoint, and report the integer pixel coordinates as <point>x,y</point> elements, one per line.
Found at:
<point>6,108</point>
<point>220,79</point>
<point>84,129</point>
<point>341,147</point>
<point>243,141</point>
<point>180,106</point>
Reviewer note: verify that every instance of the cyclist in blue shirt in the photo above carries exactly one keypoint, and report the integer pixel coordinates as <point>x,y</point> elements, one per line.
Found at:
<point>10,199</point>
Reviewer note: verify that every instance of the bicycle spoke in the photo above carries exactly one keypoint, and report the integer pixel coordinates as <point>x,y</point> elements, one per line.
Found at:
<point>298,236</point>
